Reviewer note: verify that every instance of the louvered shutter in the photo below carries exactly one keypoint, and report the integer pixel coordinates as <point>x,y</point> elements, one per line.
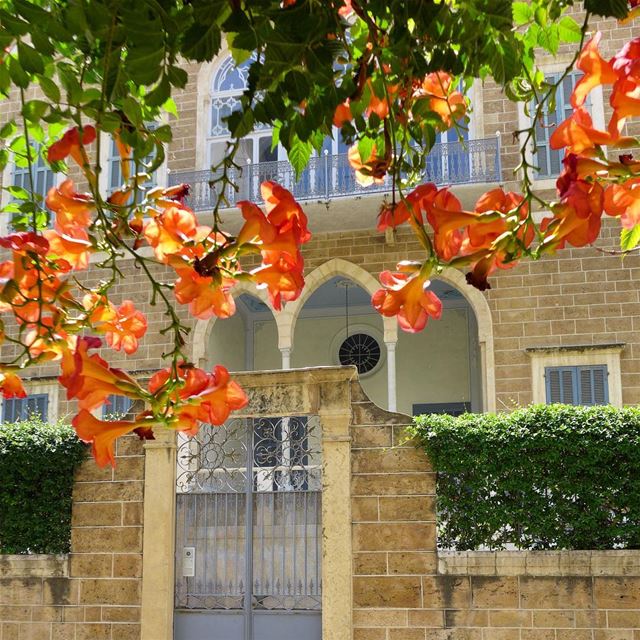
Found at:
<point>594,385</point>
<point>116,407</point>
<point>16,409</point>
<point>587,385</point>
<point>549,161</point>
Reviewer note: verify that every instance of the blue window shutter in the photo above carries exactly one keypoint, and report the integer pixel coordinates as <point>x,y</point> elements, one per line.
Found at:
<point>116,407</point>
<point>548,160</point>
<point>16,409</point>
<point>594,385</point>
<point>585,385</point>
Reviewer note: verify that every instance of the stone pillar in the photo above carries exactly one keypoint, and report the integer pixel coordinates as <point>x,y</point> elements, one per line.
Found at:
<point>337,557</point>
<point>391,376</point>
<point>159,537</point>
<point>286,358</point>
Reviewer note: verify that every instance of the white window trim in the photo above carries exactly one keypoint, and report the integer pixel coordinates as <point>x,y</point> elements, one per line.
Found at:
<point>50,387</point>
<point>597,115</point>
<point>576,356</point>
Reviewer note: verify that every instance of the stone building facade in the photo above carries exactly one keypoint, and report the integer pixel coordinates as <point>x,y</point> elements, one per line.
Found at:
<point>572,314</point>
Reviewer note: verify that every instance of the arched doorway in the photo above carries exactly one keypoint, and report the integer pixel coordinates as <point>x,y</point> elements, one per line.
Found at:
<point>248,341</point>
<point>337,325</point>
<point>439,369</point>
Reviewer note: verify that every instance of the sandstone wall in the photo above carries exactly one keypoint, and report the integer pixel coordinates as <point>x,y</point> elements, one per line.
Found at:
<point>403,589</point>
<point>94,592</point>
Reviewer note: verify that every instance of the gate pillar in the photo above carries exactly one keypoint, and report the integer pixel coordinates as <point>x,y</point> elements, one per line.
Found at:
<point>158,537</point>
<point>334,409</point>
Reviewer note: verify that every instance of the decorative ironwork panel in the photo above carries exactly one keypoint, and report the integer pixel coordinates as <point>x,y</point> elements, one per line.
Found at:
<point>249,516</point>
<point>331,176</point>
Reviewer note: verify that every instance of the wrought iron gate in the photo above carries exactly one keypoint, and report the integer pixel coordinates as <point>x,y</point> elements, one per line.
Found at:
<point>248,537</point>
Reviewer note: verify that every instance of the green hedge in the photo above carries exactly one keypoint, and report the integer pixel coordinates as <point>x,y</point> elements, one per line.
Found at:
<point>543,477</point>
<point>37,464</point>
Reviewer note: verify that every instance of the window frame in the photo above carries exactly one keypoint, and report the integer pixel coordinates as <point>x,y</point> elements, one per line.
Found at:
<point>40,387</point>
<point>543,358</point>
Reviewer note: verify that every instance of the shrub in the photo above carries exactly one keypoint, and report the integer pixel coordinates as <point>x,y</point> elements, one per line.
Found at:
<point>542,477</point>
<point>37,465</point>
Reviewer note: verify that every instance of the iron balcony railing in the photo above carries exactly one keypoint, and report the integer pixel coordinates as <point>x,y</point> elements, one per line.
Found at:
<point>331,176</point>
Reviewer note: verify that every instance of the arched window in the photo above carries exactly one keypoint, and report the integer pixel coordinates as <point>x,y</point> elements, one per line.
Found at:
<point>229,82</point>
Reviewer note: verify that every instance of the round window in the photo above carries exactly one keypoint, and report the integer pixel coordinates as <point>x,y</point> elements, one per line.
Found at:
<point>361,350</point>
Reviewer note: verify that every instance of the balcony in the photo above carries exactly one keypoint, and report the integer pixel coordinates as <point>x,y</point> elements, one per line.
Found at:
<point>330,176</point>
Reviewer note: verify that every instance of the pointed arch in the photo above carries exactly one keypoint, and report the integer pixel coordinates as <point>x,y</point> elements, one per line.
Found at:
<point>314,280</point>
<point>202,329</point>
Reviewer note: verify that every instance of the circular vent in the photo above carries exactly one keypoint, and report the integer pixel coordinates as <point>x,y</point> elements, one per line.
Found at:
<point>361,350</point>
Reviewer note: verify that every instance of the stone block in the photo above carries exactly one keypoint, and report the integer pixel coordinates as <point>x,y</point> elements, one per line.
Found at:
<point>63,631</point>
<point>624,619</point>
<point>130,468</point>
<point>412,562</point>
<point>125,632</point>
<point>616,593</point>
<point>127,565</point>
<point>554,618</point>
<point>93,631</point>
<point>388,460</point>
<point>407,508</point>
<point>87,514</point>
<point>90,565</point>
<point>108,491</point>
<point>592,618</point>
<point>121,614</point>
<point>393,484</point>
<point>10,630</point>
<point>20,590</point>
<point>369,563</point>
<point>556,593</point>
<point>404,633</point>
<point>537,634</point>
<point>60,591</point>
<point>106,592</point>
<point>73,614</point>
<point>47,614</point>
<point>17,613</point>
<point>370,634</point>
<point>574,634</point>
<point>380,618</point>
<point>114,539</point>
<point>365,413</point>
<point>392,536</point>
<point>613,634</point>
<point>510,618</point>
<point>387,591</point>
<point>372,436</point>
<point>34,631</point>
<point>466,618</point>
<point>448,592</point>
<point>132,513</point>
<point>495,593</point>
<point>364,509</point>
<point>428,618</point>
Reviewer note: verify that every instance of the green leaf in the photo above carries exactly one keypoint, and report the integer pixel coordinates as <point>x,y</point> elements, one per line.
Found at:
<point>33,110</point>
<point>569,30</point>
<point>630,238</point>
<point>133,111</point>
<point>8,129</point>
<point>49,88</point>
<point>177,77</point>
<point>30,59</point>
<point>365,147</point>
<point>549,38</point>
<point>608,8</point>
<point>522,13</point>
<point>203,41</point>
<point>170,107</point>
<point>299,155</point>
<point>17,73</point>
